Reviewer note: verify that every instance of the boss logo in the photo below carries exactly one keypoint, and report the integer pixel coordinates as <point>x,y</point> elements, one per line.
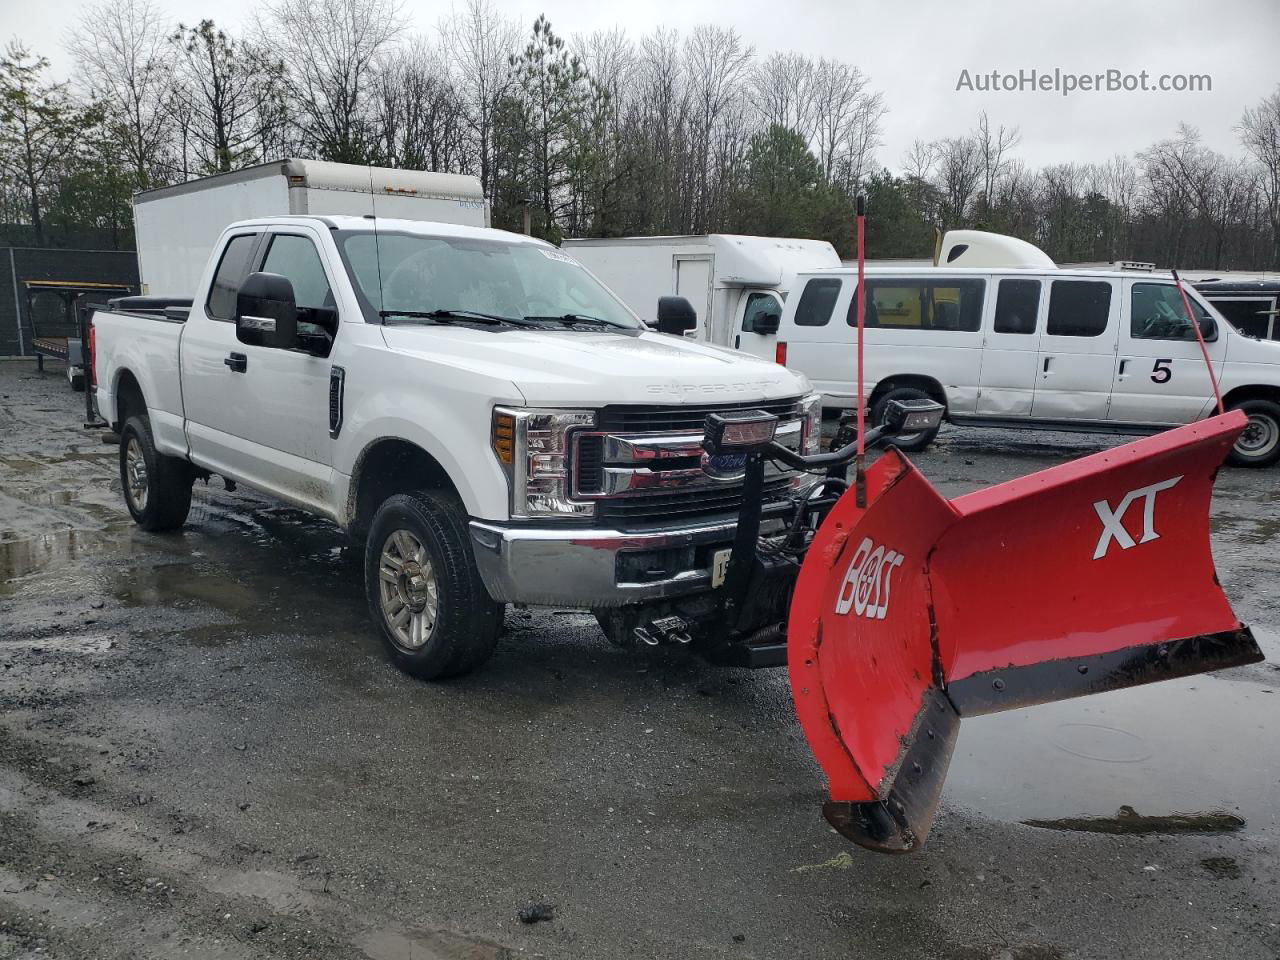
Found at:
<point>868,581</point>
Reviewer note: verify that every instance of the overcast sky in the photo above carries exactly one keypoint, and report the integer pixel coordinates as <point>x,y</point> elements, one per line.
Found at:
<point>915,50</point>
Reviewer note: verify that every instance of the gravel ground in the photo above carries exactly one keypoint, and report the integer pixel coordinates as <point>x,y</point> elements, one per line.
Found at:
<point>204,753</point>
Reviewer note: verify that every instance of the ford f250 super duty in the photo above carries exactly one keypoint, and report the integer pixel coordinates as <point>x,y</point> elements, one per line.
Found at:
<point>488,418</point>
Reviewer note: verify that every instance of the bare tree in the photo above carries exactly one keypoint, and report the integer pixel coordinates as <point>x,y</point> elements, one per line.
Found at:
<point>422,122</point>
<point>993,151</point>
<point>227,92</point>
<point>959,174</point>
<point>480,42</point>
<point>717,64</point>
<point>848,117</point>
<point>1260,134</point>
<point>330,48</point>
<point>783,90</point>
<point>126,63</point>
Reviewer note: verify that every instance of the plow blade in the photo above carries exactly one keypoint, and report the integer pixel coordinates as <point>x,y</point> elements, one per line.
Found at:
<point>916,611</point>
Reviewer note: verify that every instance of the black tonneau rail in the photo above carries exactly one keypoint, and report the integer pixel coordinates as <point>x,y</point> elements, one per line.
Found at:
<point>168,309</point>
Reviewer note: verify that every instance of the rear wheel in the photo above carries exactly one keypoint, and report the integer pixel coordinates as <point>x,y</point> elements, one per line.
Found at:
<point>424,591</point>
<point>1259,445</point>
<point>910,442</point>
<point>157,488</point>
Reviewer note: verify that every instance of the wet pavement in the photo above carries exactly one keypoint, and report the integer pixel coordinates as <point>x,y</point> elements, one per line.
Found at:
<point>203,753</point>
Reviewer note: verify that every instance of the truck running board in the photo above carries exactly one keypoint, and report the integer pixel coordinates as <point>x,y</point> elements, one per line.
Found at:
<point>918,611</point>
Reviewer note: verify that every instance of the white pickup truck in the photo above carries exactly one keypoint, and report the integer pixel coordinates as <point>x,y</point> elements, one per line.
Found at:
<point>485,415</point>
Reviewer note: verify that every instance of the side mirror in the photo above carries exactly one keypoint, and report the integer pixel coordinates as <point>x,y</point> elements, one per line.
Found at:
<point>1209,329</point>
<point>676,315</point>
<point>766,324</point>
<point>266,311</point>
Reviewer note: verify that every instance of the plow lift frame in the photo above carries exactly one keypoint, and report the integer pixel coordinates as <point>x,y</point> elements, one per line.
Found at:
<point>904,611</point>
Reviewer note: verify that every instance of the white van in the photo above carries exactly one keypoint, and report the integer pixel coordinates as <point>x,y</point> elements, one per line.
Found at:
<point>1029,345</point>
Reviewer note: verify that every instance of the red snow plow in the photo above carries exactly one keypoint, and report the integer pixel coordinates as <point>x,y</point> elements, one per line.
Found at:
<point>916,611</point>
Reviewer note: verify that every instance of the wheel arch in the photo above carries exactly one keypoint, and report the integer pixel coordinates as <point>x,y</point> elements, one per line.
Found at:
<point>385,467</point>
<point>127,398</point>
<point>919,381</point>
<point>1256,391</point>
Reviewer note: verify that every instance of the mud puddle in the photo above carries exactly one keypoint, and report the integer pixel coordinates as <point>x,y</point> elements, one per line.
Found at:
<point>1129,821</point>
<point>18,558</point>
<point>1197,755</point>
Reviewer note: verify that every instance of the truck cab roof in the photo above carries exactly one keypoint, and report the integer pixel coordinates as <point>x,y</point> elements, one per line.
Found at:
<point>423,228</point>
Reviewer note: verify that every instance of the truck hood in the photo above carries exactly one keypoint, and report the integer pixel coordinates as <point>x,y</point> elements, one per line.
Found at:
<point>555,368</point>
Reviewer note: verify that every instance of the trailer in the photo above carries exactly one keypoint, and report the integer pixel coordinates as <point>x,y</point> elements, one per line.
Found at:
<point>734,283</point>
<point>177,226</point>
<point>53,310</point>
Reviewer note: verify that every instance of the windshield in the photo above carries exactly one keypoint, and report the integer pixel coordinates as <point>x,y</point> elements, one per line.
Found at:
<point>405,275</point>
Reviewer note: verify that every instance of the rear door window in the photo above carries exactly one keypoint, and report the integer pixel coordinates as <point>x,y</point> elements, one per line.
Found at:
<point>1017,302</point>
<point>950,305</point>
<point>232,269</point>
<point>817,302</point>
<point>1078,308</point>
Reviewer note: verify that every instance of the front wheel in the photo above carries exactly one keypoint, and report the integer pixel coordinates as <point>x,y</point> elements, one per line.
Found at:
<point>157,488</point>
<point>1259,444</point>
<point>424,591</point>
<point>911,442</point>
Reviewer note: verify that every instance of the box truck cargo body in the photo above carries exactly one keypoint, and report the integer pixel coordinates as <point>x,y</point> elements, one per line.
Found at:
<point>177,226</point>
<point>730,280</point>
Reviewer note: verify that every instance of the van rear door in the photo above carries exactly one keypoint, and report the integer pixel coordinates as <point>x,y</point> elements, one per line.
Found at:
<point>1160,375</point>
<point>1077,355</point>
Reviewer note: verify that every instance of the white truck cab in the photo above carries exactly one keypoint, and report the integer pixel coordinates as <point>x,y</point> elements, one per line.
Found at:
<point>733,282</point>
<point>1002,336</point>
<point>474,405</point>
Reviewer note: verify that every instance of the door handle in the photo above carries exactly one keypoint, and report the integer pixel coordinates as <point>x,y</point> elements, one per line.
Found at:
<point>238,362</point>
<point>1046,370</point>
<point>1124,364</point>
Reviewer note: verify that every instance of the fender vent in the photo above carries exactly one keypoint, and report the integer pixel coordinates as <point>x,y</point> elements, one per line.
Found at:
<point>337,387</point>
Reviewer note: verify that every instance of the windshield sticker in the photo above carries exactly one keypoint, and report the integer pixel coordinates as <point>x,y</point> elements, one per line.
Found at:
<point>562,257</point>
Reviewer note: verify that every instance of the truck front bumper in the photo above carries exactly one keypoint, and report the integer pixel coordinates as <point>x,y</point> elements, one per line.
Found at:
<point>596,568</point>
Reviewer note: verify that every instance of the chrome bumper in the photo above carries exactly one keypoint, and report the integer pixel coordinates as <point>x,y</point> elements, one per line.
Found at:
<point>595,568</point>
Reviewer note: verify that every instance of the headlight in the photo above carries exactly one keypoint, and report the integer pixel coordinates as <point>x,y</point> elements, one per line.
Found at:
<point>811,430</point>
<point>533,448</point>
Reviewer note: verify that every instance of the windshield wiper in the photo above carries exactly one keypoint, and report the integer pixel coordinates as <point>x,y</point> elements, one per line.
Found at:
<point>580,318</point>
<point>446,315</point>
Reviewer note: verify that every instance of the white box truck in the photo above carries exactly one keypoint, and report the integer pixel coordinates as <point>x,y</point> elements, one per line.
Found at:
<point>177,226</point>
<point>731,281</point>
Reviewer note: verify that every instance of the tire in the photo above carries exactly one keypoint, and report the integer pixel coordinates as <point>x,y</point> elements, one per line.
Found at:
<point>912,442</point>
<point>76,380</point>
<point>1259,445</point>
<point>452,626</point>
<point>157,488</point>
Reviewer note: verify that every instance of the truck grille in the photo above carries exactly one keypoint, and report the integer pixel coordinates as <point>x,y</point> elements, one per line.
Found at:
<point>644,464</point>
<point>700,505</point>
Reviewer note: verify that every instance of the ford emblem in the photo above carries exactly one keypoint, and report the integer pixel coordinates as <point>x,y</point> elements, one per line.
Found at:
<point>725,466</point>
